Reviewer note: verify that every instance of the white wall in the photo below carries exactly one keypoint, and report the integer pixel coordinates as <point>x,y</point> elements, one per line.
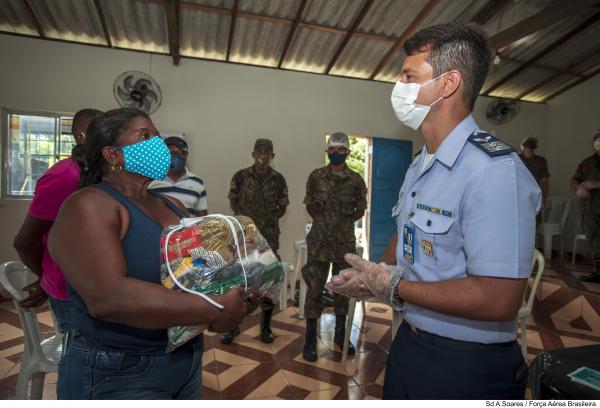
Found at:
<point>222,108</point>
<point>573,118</point>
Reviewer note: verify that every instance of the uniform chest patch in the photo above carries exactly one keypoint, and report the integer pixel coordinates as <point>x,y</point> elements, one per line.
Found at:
<point>434,210</point>
<point>491,145</point>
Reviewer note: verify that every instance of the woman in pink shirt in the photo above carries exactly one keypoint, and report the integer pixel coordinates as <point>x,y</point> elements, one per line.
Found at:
<point>51,190</point>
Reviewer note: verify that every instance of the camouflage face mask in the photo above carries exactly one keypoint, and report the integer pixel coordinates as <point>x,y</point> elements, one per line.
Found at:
<point>263,161</point>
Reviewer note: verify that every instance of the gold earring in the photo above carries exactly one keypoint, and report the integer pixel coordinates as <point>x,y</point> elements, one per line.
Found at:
<point>117,169</point>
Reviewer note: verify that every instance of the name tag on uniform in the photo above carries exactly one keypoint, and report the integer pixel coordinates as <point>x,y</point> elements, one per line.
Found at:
<point>427,247</point>
<point>408,246</point>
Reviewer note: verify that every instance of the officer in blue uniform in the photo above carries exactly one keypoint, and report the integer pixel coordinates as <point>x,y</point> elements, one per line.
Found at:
<point>465,229</point>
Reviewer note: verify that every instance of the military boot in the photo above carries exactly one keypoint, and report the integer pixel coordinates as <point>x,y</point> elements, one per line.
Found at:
<point>594,276</point>
<point>228,337</point>
<point>340,333</point>
<point>310,343</point>
<point>266,335</point>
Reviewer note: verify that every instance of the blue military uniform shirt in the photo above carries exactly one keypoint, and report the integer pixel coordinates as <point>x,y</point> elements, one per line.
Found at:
<point>472,214</point>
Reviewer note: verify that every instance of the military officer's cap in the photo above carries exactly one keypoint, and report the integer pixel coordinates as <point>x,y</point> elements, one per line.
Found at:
<point>263,145</point>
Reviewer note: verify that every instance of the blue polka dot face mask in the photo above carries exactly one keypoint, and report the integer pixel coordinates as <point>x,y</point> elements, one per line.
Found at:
<point>150,158</point>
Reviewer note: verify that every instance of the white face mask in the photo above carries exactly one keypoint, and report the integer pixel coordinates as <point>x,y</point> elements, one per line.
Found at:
<point>597,145</point>
<point>405,108</point>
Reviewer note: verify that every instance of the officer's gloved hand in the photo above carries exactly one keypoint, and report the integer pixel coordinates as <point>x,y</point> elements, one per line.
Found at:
<point>347,283</point>
<point>365,280</point>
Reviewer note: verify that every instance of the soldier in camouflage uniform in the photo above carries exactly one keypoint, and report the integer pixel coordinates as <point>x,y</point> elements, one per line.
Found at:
<point>335,198</point>
<point>260,193</point>
<point>537,166</point>
<point>587,182</point>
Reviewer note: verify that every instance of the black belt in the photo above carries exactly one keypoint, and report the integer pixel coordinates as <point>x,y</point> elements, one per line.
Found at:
<point>452,343</point>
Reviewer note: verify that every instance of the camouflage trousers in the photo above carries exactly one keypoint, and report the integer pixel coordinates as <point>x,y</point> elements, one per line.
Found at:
<point>591,229</point>
<point>315,275</point>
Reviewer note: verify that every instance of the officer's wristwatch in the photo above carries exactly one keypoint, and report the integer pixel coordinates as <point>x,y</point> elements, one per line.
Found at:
<point>394,298</point>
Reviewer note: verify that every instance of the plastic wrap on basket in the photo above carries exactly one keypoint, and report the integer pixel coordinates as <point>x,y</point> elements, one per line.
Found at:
<point>212,254</point>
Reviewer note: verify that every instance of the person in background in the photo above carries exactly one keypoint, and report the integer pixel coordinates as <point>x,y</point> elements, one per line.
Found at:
<point>336,197</point>
<point>260,192</point>
<point>537,165</point>
<point>106,240</point>
<point>52,188</point>
<point>181,183</point>
<point>586,182</point>
<point>465,220</point>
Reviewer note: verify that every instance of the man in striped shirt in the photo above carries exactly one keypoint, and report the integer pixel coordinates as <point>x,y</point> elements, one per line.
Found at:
<point>181,183</point>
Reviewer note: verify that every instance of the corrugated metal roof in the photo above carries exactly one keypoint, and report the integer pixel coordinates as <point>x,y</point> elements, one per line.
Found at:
<point>592,62</point>
<point>576,48</point>
<point>203,35</point>
<point>14,20</point>
<point>72,20</point>
<point>522,82</point>
<point>386,18</point>
<point>513,13</point>
<point>275,8</point>
<point>258,42</point>
<point>497,72</point>
<point>471,10</point>
<point>548,88</point>
<point>392,71</point>
<point>204,28</point>
<point>332,13</point>
<point>136,25</point>
<point>360,57</point>
<point>529,46</point>
<point>311,50</point>
<point>446,11</point>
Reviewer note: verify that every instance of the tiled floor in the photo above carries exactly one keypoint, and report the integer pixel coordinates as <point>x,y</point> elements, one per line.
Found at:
<point>566,314</point>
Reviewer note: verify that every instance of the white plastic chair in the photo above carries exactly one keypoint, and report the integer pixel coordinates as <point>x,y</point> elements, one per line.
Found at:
<point>39,357</point>
<point>301,249</point>
<point>578,237</point>
<point>288,277</point>
<point>554,217</point>
<point>525,310</point>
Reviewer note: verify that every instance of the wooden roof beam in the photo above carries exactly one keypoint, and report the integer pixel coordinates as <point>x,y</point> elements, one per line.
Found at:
<point>363,12</point>
<point>488,11</point>
<point>234,13</point>
<point>172,10</point>
<point>100,13</point>
<point>547,50</point>
<point>410,30</point>
<point>592,74</point>
<point>33,18</point>
<point>292,32</point>
<point>556,11</point>
<point>573,65</point>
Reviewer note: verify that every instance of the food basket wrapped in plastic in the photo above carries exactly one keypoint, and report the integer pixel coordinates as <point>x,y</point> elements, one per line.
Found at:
<point>212,254</point>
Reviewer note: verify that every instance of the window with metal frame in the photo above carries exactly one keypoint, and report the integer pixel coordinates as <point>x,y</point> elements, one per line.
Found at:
<point>32,142</point>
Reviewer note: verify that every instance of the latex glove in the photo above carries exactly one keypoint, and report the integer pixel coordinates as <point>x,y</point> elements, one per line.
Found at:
<point>349,284</point>
<point>365,279</point>
<point>582,192</point>
<point>591,185</point>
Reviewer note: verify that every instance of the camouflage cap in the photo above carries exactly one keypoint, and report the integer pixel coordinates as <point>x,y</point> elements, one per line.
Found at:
<point>338,139</point>
<point>530,142</point>
<point>263,145</point>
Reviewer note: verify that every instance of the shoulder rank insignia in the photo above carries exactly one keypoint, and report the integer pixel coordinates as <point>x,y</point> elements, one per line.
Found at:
<point>491,145</point>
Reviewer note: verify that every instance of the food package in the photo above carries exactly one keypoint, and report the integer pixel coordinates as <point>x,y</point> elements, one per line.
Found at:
<point>212,254</point>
